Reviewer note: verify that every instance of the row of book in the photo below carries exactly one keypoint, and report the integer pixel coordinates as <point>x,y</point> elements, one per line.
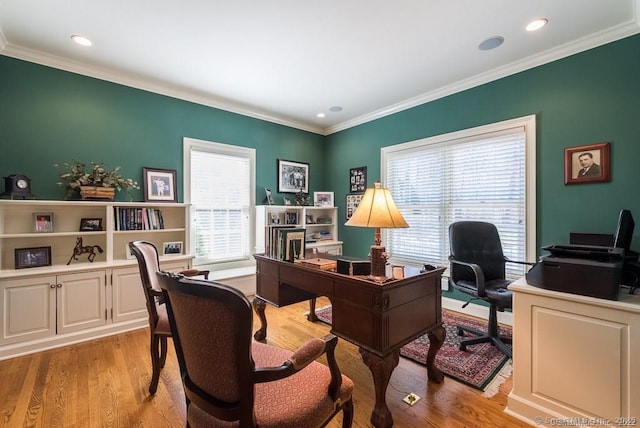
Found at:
<point>284,242</point>
<point>138,218</point>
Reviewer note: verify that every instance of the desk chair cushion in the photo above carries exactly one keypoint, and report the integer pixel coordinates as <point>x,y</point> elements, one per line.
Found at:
<point>496,291</point>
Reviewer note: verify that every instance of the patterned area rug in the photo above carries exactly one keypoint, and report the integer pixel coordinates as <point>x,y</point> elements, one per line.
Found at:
<point>481,366</point>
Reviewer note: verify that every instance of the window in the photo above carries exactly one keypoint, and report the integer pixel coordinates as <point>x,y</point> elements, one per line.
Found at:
<point>219,183</point>
<point>484,173</point>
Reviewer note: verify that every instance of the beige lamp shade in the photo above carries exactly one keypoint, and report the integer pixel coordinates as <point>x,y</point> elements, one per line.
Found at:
<point>377,209</point>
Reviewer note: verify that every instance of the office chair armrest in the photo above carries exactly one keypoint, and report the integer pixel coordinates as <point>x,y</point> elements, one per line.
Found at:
<point>477,272</point>
<point>301,358</point>
<point>518,262</point>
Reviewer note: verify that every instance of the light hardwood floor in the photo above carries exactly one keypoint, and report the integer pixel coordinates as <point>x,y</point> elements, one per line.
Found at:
<point>104,383</point>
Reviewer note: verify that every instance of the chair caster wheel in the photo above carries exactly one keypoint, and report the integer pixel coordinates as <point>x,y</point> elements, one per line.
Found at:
<point>460,332</point>
<point>462,347</point>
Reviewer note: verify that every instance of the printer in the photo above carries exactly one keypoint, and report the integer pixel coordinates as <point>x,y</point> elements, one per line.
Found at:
<point>587,270</point>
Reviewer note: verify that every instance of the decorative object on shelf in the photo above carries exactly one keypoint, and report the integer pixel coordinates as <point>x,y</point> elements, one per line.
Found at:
<point>358,179</point>
<point>377,209</point>
<point>17,186</point>
<point>587,164</point>
<point>293,177</point>
<point>160,185</point>
<point>90,224</point>
<point>93,182</point>
<point>43,222</point>
<point>286,201</point>
<point>352,204</point>
<point>268,198</point>
<point>32,257</point>
<point>291,217</point>
<point>323,199</point>
<point>172,248</point>
<point>302,198</point>
<point>81,249</point>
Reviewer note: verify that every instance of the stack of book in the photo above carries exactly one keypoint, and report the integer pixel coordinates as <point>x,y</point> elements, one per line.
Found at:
<point>138,218</point>
<point>285,242</point>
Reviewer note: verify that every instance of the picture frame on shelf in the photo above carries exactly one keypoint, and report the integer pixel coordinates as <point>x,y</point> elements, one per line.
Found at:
<point>90,224</point>
<point>293,177</point>
<point>290,217</point>
<point>353,200</point>
<point>160,185</point>
<point>43,222</point>
<point>309,219</point>
<point>358,179</point>
<point>32,257</point>
<point>268,197</point>
<point>323,199</point>
<point>587,164</point>
<point>172,248</point>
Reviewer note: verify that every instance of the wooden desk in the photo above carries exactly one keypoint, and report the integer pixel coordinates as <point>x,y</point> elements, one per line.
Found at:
<point>378,318</point>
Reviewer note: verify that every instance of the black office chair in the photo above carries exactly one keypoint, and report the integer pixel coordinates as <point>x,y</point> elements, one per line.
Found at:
<point>478,269</point>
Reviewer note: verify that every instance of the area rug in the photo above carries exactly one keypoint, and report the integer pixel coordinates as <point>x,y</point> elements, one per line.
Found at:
<point>481,366</point>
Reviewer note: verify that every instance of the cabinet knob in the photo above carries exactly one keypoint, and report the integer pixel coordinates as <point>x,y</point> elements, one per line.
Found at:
<point>59,285</point>
<point>52,286</point>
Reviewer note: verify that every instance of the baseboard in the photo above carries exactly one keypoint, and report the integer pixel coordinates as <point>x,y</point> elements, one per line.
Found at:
<point>475,310</point>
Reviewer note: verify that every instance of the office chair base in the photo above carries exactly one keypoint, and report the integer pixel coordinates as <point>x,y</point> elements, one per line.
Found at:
<point>499,342</point>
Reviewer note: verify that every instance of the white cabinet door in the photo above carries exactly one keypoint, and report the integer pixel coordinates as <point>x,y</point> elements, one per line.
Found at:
<point>28,309</point>
<point>128,296</point>
<point>81,301</point>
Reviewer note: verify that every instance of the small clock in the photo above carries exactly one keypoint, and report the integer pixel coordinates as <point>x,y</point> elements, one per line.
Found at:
<point>17,186</point>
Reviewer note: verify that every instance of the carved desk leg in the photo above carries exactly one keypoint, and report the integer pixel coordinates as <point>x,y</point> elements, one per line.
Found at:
<point>436,339</point>
<point>312,311</point>
<point>381,369</point>
<point>259,306</point>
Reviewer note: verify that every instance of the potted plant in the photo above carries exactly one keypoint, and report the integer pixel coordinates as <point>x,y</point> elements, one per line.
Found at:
<point>93,182</point>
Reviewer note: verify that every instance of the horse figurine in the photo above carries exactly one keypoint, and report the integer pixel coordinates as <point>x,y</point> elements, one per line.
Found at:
<point>80,249</point>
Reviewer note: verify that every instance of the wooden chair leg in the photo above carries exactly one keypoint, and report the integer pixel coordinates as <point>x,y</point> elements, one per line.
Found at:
<point>347,414</point>
<point>163,350</point>
<point>155,363</point>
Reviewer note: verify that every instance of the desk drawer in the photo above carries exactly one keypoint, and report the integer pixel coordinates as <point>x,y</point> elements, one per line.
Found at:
<point>306,280</point>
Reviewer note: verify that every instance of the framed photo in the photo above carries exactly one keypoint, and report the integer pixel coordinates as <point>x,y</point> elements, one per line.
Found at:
<point>323,199</point>
<point>90,224</point>
<point>587,164</point>
<point>32,257</point>
<point>358,179</point>
<point>160,185</point>
<point>43,222</point>
<point>172,248</point>
<point>268,197</point>
<point>293,177</point>
<point>352,203</point>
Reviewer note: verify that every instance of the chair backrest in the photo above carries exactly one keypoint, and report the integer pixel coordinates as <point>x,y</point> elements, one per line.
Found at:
<point>148,262</point>
<point>211,326</point>
<point>476,242</point>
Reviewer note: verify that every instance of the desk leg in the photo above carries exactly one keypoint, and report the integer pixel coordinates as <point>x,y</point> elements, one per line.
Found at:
<point>259,306</point>
<point>312,311</point>
<point>436,339</point>
<point>381,369</point>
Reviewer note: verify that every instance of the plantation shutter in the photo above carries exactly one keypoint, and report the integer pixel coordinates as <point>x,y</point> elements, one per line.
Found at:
<point>220,195</point>
<point>472,178</point>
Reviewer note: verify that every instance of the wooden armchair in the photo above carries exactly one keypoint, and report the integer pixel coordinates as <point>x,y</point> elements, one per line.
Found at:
<point>230,380</point>
<point>149,263</point>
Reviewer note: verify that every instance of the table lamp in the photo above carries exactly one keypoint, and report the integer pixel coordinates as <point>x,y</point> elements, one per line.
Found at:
<point>377,210</point>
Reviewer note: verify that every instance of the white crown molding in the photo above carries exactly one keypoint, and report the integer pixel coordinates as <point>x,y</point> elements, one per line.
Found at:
<point>577,46</point>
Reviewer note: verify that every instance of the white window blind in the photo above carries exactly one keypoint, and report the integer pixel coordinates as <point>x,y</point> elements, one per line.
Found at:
<point>220,194</point>
<point>477,177</point>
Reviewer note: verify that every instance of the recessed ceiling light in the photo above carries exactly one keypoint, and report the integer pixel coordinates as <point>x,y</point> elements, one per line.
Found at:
<point>335,109</point>
<point>491,43</point>
<point>536,24</point>
<point>81,40</point>
<point>320,115</point>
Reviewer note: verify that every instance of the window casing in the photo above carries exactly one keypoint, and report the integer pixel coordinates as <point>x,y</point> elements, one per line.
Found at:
<point>219,185</point>
<point>484,173</point>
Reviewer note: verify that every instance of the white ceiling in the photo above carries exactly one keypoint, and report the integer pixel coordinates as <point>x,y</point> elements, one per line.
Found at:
<point>287,60</point>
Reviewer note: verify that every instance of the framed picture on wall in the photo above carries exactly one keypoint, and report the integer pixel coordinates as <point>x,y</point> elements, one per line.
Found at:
<point>159,185</point>
<point>358,179</point>
<point>352,203</point>
<point>587,164</point>
<point>293,177</point>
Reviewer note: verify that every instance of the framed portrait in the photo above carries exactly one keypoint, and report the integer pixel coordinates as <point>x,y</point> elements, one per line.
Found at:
<point>358,179</point>
<point>43,222</point>
<point>268,197</point>
<point>90,224</point>
<point>293,177</point>
<point>352,203</point>
<point>32,257</point>
<point>587,164</point>
<point>323,199</point>
<point>159,185</point>
<point>172,248</point>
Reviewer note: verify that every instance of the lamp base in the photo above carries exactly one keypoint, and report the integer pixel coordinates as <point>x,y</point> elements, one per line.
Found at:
<point>378,263</point>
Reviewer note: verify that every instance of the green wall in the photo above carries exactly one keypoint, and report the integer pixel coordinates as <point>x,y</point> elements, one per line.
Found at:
<point>587,98</point>
<point>50,116</point>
